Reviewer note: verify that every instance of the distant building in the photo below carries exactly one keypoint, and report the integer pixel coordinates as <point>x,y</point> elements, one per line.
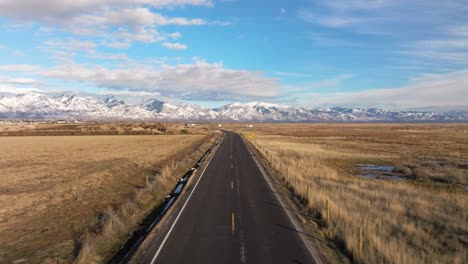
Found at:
<point>219,125</point>
<point>249,125</point>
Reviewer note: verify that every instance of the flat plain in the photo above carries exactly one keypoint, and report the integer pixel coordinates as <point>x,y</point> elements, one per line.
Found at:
<point>76,198</point>
<point>395,193</point>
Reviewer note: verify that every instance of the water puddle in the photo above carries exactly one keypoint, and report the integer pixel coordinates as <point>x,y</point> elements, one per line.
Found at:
<point>371,167</point>
<point>178,189</point>
<point>168,205</point>
<point>378,172</point>
<point>383,177</point>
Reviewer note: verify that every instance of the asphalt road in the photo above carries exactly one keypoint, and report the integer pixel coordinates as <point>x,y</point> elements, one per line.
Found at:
<point>232,216</point>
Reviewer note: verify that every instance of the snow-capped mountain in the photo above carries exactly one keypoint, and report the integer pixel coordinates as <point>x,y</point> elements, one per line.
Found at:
<point>259,111</point>
<point>181,111</point>
<point>256,111</point>
<point>77,106</point>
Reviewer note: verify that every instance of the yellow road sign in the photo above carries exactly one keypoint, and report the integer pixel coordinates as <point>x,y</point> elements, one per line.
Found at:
<point>251,136</point>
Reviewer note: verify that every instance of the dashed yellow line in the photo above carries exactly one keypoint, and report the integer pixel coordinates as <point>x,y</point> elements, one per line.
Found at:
<point>233,223</point>
<point>232,184</point>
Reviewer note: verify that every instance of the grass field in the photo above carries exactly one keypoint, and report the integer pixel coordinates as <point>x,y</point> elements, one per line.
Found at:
<point>97,128</point>
<point>66,198</point>
<point>420,218</point>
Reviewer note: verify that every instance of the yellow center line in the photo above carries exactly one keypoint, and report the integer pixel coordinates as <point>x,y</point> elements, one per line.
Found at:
<point>233,223</point>
<point>232,185</point>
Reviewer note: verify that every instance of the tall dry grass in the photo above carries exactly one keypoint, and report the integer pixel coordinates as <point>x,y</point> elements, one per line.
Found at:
<point>375,221</point>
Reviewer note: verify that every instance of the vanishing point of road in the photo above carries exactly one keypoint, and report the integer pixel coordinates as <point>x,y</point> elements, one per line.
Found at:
<point>231,216</point>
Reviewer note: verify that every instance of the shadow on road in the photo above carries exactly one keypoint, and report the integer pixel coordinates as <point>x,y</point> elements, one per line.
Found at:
<point>297,231</point>
<point>278,193</point>
<point>298,262</point>
<point>275,183</point>
<point>277,205</point>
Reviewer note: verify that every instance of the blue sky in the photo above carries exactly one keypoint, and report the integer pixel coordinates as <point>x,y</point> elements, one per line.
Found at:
<point>384,53</point>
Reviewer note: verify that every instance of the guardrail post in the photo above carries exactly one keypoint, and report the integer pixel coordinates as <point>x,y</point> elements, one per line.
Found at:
<point>360,240</point>
<point>328,217</point>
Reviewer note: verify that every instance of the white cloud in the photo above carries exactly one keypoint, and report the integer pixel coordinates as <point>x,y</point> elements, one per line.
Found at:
<point>429,30</point>
<point>119,22</point>
<point>330,21</point>
<point>451,46</point>
<point>128,93</point>
<point>6,88</point>
<point>65,49</point>
<point>460,30</point>
<point>143,34</point>
<point>19,85</point>
<point>118,44</point>
<point>19,68</point>
<point>175,35</point>
<point>452,57</point>
<point>121,27</point>
<point>174,46</point>
<point>70,45</point>
<point>212,81</point>
<point>384,16</point>
<point>45,30</point>
<point>197,81</point>
<point>59,11</point>
<point>19,81</point>
<point>136,17</point>
<point>442,43</point>
<point>440,90</point>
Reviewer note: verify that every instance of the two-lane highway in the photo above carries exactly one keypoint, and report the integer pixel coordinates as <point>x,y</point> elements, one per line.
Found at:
<point>232,216</point>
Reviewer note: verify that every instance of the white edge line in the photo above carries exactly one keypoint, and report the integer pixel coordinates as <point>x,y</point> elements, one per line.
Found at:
<point>181,210</point>
<point>311,252</point>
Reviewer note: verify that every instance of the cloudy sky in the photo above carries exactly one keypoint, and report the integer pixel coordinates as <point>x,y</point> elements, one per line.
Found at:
<point>384,53</point>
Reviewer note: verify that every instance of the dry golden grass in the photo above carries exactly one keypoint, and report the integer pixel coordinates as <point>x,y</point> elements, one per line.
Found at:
<point>99,128</point>
<point>63,197</point>
<point>422,220</point>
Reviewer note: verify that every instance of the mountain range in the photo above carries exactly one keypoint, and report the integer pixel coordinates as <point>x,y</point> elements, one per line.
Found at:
<point>110,107</point>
